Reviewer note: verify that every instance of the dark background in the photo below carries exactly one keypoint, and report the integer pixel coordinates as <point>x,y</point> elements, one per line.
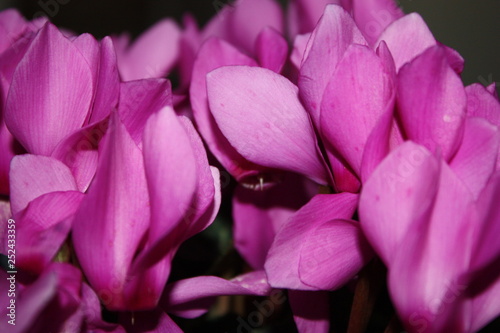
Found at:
<point>471,27</point>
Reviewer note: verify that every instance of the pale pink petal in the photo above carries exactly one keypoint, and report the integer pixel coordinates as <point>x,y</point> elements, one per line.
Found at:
<point>271,49</point>
<point>402,188</point>
<point>259,112</point>
<point>332,36</point>
<point>32,176</point>
<point>432,102</point>
<point>46,102</point>
<point>412,28</point>
<point>283,261</point>
<point>303,15</point>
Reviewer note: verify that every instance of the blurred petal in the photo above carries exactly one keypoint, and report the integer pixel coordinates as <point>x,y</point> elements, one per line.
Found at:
<point>409,27</point>
<point>32,176</point>
<point>432,102</point>
<point>272,49</point>
<point>258,215</point>
<point>153,54</point>
<point>311,310</point>
<point>283,261</point>
<point>332,36</point>
<point>260,113</point>
<point>248,18</point>
<point>299,49</point>
<point>373,16</point>
<point>46,102</point>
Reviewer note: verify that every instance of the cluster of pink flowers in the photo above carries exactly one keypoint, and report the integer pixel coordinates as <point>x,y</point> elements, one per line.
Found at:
<point>345,124</point>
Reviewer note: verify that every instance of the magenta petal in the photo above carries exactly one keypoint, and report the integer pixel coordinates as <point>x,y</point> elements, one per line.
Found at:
<point>139,100</point>
<point>12,27</point>
<point>303,15</point>
<point>32,176</point>
<point>332,36</point>
<point>171,175</point>
<point>7,149</point>
<point>311,310</point>
<point>476,159</point>
<point>358,93</point>
<point>44,225</point>
<point>208,192</point>
<point>107,91</point>
<point>432,256</point>
<point>259,112</point>
<point>402,188</point>
<point>110,222</point>
<point>272,49</point>
<point>432,102</point>
<point>79,151</point>
<point>487,248</point>
<point>373,16</point>
<point>34,299</point>
<point>396,36</point>
<point>192,297</point>
<point>262,213</point>
<point>153,54</point>
<point>283,261</point>
<point>482,103</point>
<point>248,18</point>
<point>333,254</point>
<point>299,49</point>
<point>46,102</point>
<point>214,54</point>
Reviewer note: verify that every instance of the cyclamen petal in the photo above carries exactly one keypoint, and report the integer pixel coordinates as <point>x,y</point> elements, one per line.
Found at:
<point>432,102</point>
<point>332,36</point>
<point>281,135</point>
<point>398,33</point>
<point>32,176</point>
<point>110,223</point>
<point>272,49</point>
<point>35,114</point>
<point>214,54</point>
<point>358,93</point>
<point>283,261</point>
<point>402,188</point>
